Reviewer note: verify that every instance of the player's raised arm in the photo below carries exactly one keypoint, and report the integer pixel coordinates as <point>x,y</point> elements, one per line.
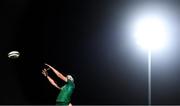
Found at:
<point>57,73</point>
<point>44,72</point>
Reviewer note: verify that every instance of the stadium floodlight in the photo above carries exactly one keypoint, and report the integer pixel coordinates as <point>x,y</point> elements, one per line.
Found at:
<point>151,33</point>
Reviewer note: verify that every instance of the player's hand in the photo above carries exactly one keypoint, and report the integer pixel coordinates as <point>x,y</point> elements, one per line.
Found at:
<point>47,64</point>
<point>44,72</point>
<point>49,67</point>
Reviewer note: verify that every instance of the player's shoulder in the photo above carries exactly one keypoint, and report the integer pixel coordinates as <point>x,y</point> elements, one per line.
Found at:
<point>70,82</point>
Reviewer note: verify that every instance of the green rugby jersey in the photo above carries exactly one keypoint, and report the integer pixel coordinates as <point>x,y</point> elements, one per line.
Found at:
<point>66,92</point>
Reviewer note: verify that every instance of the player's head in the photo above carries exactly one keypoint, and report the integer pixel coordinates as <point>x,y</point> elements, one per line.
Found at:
<point>70,78</point>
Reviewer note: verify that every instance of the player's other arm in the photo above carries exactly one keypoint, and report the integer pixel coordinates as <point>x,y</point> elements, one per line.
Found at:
<point>57,73</point>
<point>44,72</point>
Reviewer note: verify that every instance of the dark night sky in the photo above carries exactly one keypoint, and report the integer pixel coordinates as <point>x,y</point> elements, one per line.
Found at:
<point>77,37</point>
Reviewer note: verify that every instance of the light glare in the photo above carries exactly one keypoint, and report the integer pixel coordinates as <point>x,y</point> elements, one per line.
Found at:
<point>151,32</point>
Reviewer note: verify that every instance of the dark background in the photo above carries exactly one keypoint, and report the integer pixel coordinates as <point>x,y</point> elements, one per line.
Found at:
<point>77,38</point>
